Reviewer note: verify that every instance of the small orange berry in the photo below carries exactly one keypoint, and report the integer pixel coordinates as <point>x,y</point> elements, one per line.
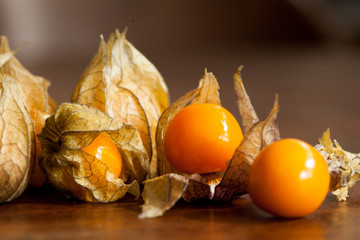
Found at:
<point>289,178</point>
<point>106,151</point>
<point>201,138</point>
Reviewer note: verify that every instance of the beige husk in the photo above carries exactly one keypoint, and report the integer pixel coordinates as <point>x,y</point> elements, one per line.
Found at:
<point>33,91</point>
<point>68,131</point>
<point>17,144</point>
<point>344,166</point>
<point>121,82</point>
<point>171,185</point>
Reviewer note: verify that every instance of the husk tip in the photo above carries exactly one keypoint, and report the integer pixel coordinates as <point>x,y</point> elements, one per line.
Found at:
<point>237,81</point>
<point>205,71</point>
<point>276,101</point>
<point>121,35</point>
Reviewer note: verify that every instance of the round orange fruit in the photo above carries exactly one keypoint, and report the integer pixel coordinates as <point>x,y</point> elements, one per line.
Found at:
<point>289,178</point>
<point>201,138</point>
<point>106,151</point>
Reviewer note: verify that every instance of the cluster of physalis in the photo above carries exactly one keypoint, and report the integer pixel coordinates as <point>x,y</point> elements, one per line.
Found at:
<point>119,136</point>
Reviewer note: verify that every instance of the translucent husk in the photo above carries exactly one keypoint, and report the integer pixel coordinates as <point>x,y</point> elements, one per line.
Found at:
<point>69,168</point>
<point>17,144</point>
<point>33,91</point>
<point>171,184</point>
<point>344,166</point>
<point>121,82</point>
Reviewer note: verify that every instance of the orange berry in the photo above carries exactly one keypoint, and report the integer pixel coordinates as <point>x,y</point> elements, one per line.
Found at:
<point>201,138</point>
<point>106,151</point>
<point>289,178</point>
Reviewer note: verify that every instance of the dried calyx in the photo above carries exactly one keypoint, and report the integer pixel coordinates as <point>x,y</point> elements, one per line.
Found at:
<point>124,84</point>
<point>17,155</point>
<point>69,168</point>
<point>122,95</point>
<point>344,166</point>
<point>162,192</point>
<point>25,106</point>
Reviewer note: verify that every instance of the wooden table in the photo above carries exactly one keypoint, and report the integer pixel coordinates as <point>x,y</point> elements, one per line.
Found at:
<point>48,215</point>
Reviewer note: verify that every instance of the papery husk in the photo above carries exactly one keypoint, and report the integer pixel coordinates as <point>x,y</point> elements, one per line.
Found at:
<point>121,82</point>
<point>207,92</point>
<point>69,168</point>
<point>344,167</point>
<point>261,134</point>
<point>157,199</point>
<point>17,145</point>
<point>34,94</point>
<point>246,109</point>
<point>222,186</point>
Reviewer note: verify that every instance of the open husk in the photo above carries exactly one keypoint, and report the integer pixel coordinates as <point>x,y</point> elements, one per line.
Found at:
<point>69,168</point>
<point>17,143</point>
<point>33,91</point>
<point>171,184</point>
<point>344,166</point>
<point>124,84</point>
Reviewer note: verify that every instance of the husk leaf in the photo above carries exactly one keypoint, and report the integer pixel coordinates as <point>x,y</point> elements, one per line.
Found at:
<point>261,134</point>
<point>34,94</point>
<point>121,82</point>
<point>68,131</point>
<point>217,186</point>
<point>17,143</point>
<point>246,109</point>
<point>207,92</point>
<point>162,193</point>
<point>344,166</point>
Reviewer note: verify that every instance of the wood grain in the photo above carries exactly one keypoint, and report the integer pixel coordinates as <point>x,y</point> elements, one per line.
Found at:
<point>48,215</point>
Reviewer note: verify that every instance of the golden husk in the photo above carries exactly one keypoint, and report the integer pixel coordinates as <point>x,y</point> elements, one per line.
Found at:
<point>344,166</point>
<point>69,168</point>
<point>17,144</point>
<point>124,84</point>
<point>33,91</point>
<point>218,186</point>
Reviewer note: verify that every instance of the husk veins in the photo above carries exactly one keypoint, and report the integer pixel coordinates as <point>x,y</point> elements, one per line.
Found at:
<point>121,82</point>
<point>33,92</point>
<point>222,186</point>
<point>71,128</point>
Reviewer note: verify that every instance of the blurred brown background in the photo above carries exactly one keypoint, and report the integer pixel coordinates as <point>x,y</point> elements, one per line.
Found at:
<point>308,51</point>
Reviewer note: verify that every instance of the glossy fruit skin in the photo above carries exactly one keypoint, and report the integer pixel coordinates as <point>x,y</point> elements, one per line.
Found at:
<point>289,179</point>
<point>106,151</point>
<point>201,137</point>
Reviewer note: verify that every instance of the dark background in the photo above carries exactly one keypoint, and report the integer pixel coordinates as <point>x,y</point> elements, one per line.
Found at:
<point>308,51</point>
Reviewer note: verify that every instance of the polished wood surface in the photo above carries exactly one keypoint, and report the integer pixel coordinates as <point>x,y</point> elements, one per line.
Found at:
<point>48,215</point>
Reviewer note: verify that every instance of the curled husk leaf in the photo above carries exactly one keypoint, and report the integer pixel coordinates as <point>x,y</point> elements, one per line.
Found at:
<point>221,186</point>
<point>69,168</point>
<point>344,167</point>
<point>17,145</point>
<point>121,82</point>
<point>33,90</point>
